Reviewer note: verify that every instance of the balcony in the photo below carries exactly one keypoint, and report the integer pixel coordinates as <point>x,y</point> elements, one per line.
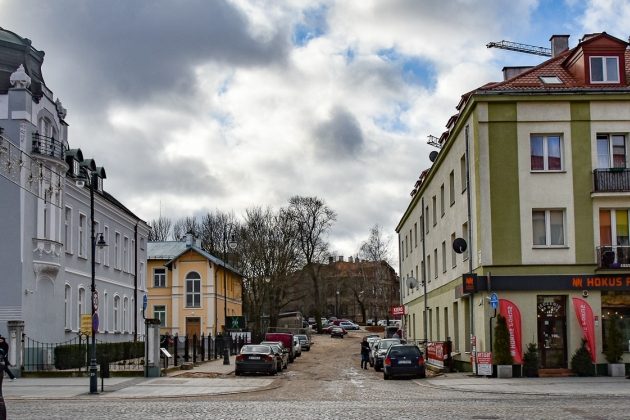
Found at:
<point>48,146</point>
<point>611,180</point>
<point>613,257</point>
<point>47,257</point>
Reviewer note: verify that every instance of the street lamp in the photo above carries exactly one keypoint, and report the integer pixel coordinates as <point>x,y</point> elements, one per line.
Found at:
<point>232,244</point>
<point>337,304</point>
<point>90,176</point>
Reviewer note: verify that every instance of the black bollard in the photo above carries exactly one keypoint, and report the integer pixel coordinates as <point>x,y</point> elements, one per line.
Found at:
<point>194,346</point>
<point>175,345</point>
<point>203,347</point>
<point>186,349</point>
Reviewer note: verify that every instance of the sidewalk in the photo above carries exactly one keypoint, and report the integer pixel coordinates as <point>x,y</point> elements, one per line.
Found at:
<point>600,386</point>
<point>209,378</point>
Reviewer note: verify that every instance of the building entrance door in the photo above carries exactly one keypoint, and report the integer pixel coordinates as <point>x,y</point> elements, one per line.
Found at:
<point>552,331</point>
<point>193,327</point>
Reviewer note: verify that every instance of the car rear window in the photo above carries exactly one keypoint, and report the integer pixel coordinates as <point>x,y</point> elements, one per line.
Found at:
<point>404,351</point>
<point>255,349</point>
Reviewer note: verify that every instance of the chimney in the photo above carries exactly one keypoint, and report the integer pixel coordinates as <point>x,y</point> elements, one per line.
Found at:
<point>510,72</point>
<point>350,259</point>
<point>341,258</point>
<point>331,260</point>
<point>559,44</point>
<point>189,239</point>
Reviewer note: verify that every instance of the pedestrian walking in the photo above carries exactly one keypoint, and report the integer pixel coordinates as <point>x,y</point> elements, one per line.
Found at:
<point>4,353</point>
<point>365,353</point>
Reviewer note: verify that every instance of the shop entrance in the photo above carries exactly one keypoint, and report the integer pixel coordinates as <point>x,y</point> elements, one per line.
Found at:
<point>552,331</point>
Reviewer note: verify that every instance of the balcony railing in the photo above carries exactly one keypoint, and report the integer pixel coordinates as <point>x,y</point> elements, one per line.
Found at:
<point>611,180</point>
<point>47,256</point>
<point>613,257</point>
<point>48,146</point>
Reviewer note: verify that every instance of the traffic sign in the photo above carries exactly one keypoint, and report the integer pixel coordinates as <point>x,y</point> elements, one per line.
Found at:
<point>95,300</point>
<point>95,322</point>
<point>145,301</point>
<point>494,300</point>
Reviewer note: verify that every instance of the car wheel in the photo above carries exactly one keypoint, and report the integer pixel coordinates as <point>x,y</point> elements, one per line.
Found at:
<point>385,376</point>
<point>376,368</point>
<point>237,373</point>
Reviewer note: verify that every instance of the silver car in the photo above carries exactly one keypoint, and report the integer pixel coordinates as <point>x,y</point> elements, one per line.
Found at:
<point>380,349</point>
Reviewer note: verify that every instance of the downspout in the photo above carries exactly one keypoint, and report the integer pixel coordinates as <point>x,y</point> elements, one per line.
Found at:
<point>469,239</point>
<point>135,285</point>
<point>424,279</point>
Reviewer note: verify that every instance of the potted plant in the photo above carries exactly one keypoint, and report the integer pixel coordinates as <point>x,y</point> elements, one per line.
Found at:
<point>502,356</point>
<point>530,361</point>
<point>581,363</point>
<point>614,348</point>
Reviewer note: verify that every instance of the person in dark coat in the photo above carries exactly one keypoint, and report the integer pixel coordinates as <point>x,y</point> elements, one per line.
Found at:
<point>4,351</point>
<point>365,353</point>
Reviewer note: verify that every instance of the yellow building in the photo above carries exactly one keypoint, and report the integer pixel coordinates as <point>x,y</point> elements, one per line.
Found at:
<point>186,288</point>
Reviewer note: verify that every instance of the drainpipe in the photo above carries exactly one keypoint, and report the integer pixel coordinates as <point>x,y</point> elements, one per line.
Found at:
<point>424,278</point>
<point>135,285</point>
<point>469,239</point>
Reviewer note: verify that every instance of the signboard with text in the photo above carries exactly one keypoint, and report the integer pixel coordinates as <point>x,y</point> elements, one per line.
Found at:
<point>470,283</point>
<point>484,363</point>
<point>86,324</point>
<point>397,310</point>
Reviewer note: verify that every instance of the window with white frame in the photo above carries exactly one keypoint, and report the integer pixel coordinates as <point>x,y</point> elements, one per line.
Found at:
<point>415,234</point>
<point>451,184</point>
<point>159,312</point>
<point>159,277</point>
<point>116,313</point>
<point>142,275</point>
<point>443,256</point>
<point>193,290</point>
<point>453,253</point>
<point>604,69</point>
<point>410,241</point>
<point>546,152</point>
<point>462,172</point>
<point>98,251</point>
<point>117,263</point>
<point>611,151</point>
<point>132,253</point>
<point>429,268</point>
<point>105,321</point>
<point>67,301</point>
<point>67,234</point>
<point>125,314</point>
<point>106,249</point>
<point>442,207</point>
<point>434,210</point>
<point>614,236</point>
<point>435,262</point>
<point>82,236</point>
<point>125,259</point>
<point>80,306</point>
<point>426,219</point>
<point>465,236</point>
<point>548,228</point>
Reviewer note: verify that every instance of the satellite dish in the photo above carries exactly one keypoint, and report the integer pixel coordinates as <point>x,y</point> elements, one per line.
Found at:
<point>412,283</point>
<point>433,155</point>
<point>460,245</point>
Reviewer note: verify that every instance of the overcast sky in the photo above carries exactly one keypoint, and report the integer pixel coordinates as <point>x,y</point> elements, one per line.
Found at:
<point>198,105</point>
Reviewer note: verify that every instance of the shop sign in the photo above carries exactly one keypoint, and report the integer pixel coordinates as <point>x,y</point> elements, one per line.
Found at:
<point>397,310</point>
<point>435,354</point>
<point>470,283</point>
<point>484,363</point>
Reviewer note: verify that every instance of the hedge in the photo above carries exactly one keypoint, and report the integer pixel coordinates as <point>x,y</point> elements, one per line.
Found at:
<point>73,356</point>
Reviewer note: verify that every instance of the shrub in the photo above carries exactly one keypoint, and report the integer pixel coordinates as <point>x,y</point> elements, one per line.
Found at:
<point>74,355</point>
<point>614,341</point>
<point>502,355</point>
<point>581,363</point>
<point>530,361</point>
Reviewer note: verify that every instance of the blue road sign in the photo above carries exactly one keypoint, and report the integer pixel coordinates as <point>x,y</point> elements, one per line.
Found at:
<point>494,300</point>
<point>145,301</point>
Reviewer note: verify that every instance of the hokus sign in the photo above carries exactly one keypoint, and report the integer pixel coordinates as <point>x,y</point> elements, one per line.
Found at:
<point>397,310</point>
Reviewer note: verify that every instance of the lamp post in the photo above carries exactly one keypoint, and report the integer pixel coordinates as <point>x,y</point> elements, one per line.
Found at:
<point>337,304</point>
<point>232,244</point>
<point>91,179</point>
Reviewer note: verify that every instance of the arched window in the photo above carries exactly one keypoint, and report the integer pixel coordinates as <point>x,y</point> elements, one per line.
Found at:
<point>81,306</point>
<point>67,301</point>
<point>193,290</point>
<point>105,320</point>
<point>116,313</point>
<point>125,319</point>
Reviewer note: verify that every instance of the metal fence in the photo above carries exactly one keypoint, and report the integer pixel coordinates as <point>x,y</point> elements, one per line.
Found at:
<point>73,356</point>
<point>190,348</point>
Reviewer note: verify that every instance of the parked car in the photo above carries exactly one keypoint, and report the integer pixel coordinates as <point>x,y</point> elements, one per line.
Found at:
<point>256,358</point>
<point>404,360</point>
<point>304,342</point>
<point>281,353</point>
<point>382,323</point>
<point>347,325</point>
<point>380,349</point>
<point>297,347</point>
<point>337,332</point>
<point>287,341</point>
<point>370,321</point>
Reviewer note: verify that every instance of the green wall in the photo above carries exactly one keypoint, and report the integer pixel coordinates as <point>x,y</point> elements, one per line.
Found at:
<point>504,187</point>
<point>582,181</point>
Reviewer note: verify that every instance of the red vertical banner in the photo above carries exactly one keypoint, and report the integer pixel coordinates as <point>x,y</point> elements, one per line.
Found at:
<point>584,315</point>
<point>512,315</point>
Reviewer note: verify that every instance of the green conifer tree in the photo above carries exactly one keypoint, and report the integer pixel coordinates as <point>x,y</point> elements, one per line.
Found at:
<point>502,355</point>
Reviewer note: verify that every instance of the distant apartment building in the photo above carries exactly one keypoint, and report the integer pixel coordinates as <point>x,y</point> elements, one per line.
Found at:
<point>533,173</point>
<point>45,241</point>
<point>191,291</point>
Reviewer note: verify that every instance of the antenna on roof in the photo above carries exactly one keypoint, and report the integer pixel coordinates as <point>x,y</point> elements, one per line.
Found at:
<point>524,48</point>
<point>433,141</point>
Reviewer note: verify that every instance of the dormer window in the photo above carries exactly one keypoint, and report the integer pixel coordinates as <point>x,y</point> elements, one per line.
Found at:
<point>99,184</point>
<point>604,69</point>
<point>551,80</point>
<point>75,167</point>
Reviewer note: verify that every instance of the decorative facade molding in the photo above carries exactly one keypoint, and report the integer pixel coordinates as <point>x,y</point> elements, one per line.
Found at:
<point>19,79</point>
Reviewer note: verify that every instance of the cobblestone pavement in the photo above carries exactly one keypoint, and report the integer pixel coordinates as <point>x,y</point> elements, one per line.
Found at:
<point>327,383</point>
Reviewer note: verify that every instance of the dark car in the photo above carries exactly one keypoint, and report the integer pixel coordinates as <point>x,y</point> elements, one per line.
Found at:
<point>256,358</point>
<point>404,360</point>
<point>337,332</point>
<point>282,354</point>
<point>304,341</point>
<point>380,349</point>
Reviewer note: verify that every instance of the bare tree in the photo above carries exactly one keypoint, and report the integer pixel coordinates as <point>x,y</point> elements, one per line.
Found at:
<point>214,228</point>
<point>376,286</point>
<point>160,229</point>
<point>312,220</point>
<point>376,248</point>
<point>183,226</point>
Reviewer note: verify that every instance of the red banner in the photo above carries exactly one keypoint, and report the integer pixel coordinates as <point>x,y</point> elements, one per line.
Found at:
<point>397,310</point>
<point>513,318</point>
<point>584,315</point>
